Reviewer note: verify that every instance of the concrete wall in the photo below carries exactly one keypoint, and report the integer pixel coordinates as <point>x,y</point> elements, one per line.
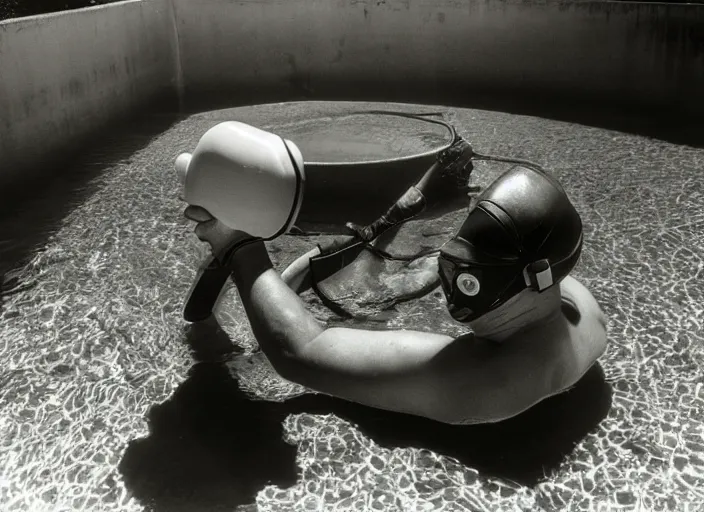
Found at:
<point>451,50</point>
<point>63,76</point>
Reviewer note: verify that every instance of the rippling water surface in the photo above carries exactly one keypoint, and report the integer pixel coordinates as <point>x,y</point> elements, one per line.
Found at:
<point>110,402</point>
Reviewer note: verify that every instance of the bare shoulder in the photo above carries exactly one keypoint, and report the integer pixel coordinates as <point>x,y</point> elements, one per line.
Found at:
<point>577,297</point>
<point>585,332</point>
<point>552,357</point>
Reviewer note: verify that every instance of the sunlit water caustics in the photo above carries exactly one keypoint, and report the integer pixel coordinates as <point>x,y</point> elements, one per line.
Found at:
<point>109,401</point>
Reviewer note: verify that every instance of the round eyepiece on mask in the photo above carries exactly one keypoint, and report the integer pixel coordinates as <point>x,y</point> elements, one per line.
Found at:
<point>468,284</point>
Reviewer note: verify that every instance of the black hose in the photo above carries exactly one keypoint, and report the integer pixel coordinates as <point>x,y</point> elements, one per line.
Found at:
<point>518,161</point>
<point>420,116</point>
<point>475,156</point>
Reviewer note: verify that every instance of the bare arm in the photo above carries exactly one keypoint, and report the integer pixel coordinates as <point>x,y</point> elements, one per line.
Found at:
<point>297,274</point>
<point>418,373</point>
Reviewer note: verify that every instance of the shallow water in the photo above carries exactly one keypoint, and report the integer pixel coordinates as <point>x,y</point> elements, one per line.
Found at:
<point>347,135</point>
<point>110,402</point>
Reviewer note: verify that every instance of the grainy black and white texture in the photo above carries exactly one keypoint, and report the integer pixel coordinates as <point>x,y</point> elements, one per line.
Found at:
<point>108,401</point>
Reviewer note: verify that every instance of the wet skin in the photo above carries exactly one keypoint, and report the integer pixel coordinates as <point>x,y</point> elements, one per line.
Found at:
<point>453,380</point>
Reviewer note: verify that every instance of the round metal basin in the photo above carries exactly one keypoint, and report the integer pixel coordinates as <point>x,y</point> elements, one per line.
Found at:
<point>359,164</point>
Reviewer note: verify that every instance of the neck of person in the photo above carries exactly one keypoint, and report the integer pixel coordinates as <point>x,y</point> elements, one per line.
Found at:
<point>526,310</point>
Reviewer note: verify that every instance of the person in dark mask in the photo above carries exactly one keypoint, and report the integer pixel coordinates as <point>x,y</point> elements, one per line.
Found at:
<point>534,330</point>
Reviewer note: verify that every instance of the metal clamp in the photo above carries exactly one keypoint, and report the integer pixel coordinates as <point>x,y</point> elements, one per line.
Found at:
<point>538,275</point>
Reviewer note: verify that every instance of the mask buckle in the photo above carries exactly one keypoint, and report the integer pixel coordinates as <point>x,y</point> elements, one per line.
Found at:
<point>538,275</point>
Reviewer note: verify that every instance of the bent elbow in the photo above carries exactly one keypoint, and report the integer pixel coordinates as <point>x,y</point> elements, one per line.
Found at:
<point>294,367</point>
<point>287,365</point>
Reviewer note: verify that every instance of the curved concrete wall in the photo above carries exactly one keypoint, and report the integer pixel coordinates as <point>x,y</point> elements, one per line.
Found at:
<point>443,50</point>
<point>65,75</point>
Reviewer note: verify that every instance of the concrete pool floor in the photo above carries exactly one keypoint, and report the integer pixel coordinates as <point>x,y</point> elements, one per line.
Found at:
<point>109,401</point>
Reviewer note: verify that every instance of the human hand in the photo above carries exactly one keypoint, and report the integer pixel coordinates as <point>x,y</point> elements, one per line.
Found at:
<point>220,237</point>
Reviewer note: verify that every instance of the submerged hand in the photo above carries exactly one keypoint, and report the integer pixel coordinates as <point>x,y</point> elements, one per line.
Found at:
<point>220,237</point>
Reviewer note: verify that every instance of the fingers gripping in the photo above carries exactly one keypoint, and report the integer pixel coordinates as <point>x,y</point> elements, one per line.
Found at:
<point>197,214</point>
<point>202,230</point>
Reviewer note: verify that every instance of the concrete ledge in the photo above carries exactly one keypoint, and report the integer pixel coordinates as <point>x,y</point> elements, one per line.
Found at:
<point>65,75</point>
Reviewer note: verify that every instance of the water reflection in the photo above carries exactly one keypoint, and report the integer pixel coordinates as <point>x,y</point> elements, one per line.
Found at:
<point>211,447</point>
<point>33,210</point>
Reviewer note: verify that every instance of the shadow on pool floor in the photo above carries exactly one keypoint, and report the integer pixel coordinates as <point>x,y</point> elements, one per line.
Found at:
<point>212,447</point>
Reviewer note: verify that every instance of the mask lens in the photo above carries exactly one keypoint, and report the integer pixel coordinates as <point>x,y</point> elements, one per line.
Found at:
<point>464,282</point>
<point>468,284</point>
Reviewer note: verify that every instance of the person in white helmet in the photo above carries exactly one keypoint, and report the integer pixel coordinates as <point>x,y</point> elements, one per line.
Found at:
<point>535,330</point>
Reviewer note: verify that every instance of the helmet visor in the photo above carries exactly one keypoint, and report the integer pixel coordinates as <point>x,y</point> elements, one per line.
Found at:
<point>483,240</point>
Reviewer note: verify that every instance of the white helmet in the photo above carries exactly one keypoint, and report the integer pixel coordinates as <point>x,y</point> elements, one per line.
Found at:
<point>249,179</point>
